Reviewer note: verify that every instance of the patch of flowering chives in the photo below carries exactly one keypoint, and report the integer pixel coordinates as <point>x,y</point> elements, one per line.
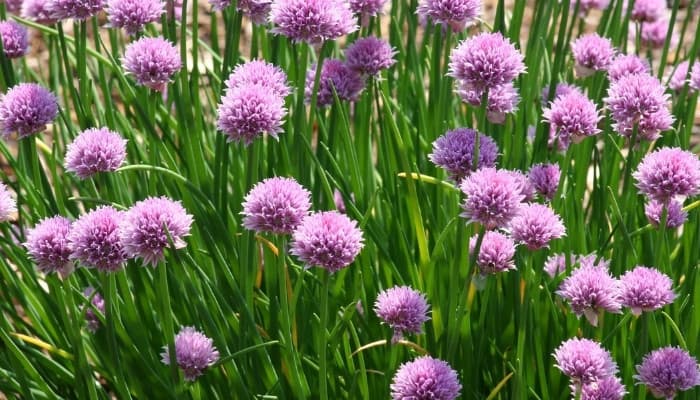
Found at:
<point>535,225</point>
<point>134,15</point>
<point>8,205</point>
<point>525,187</point>
<point>312,21</point>
<point>485,61</point>
<point>95,150</point>
<point>369,55</point>
<point>679,77</point>
<point>584,361</point>
<point>276,205</point>
<point>94,240</point>
<point>75,9</point>
<point>259,72</point>
<point>502,100</point>
<point>425,378</point>
<point>609,388</point>
<point>327,239</point>
<point>257,11</point>
<point>653,34</point>
<point>48,246</point>
<point>249,111</point>
<point>93,321</point>
<point>648,10</point>
<point>194,352</point>
<point>668,172</point>
<point>592,53</point>
<point>37,11</point>
<point>695,77</point>
<point>14,39</point>
<point>454,152</point>
<point>26,109</point>
<point>639,100</point>
<point>587,5</point>
<point>367,8</point>
<point>12,6</point>
<point>627,64</point>
<point>495,254</point>
<point>675,216</point>
<point>457,14</point>
<point>149,225</point>
<point>152,61</point>
<point>646,289</point>
<point>492,197</point>
<point>335,74</point>
<point>667,371</point>
<point>562,89</point>
<point>590,289</point>
<point>545,179</point>
<point>572,117</point>
<point>403,309</point>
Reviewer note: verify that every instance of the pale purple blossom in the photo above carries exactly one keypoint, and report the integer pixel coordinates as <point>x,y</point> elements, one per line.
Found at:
<point>152,61</point>
<point>76,9</point>
<point>525,187</point>
<point>14,39</point>
<point>94,240</point>
<point>454,152</point>
<point>591,290</point>
<point>257,11</point>
<point>276,205</point>
<point>26,109</point>
<point>675,216</point>
<point>134,15</point>
<point>95,150</point>
<point>259,72</point>
<point>572,118</point>
<point>493,197</point>
<point>646,289</point>
<point>194,352</point>
<point>47,245</point>
<point>369,55</point>
<point>592,53</point>
<point>8,205</point>
<point>545,179</point>
<point>335,75</point>
<point>37,11</point>
<point>425,378</point>
<point>654,34</point>
<point>457,14</point>
<point>562,89</point>
<point>584,361</point>
<point>667,371</point>
<point>668,172</point>
<point>496,253</point>
<point>648,10</point>
<point>98,302</point>
<point>535,225</point>
<point>679,77</point>
<point>627,64</point>
<point>312,21</point>
<point>249,111</point>
<point>502,100</point>
<point>609,388</point>
<point>403,309</point>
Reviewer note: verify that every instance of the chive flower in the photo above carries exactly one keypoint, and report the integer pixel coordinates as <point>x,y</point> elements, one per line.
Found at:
<point>457,14</point>
<point>93,321</point>
<point>648,10</point>
<point>257,11</point>
<point>668,172</point>
<point>75,9</point>
<point>627,64</point>
<point>667,371</point>
<point>590,290</point>
<point>8,205</point>
<point>679,77</point>
<point>675,216</point>
<point>454,152</point>
<point>425,378</point>
<point>609,388</point>
<point>276,205</point>
<point>496,253</point>
<point>26,109</point>
<point>545,179</point>
<point>259,72</point>
<point>403,309</point>
<point>492,197</point>
<point>14,39</point>
<point>152,61</point>
<point>312,21</point>
<point>654,34</point>
<point>562,89</point>
<point>646,289</point>
<point>535,225</point>
<point>95,150</point>
<point>572,118</point>
<point>369,55</point>
<point>94,240</point>
<point>48,246</point>
<point>367,8</point>
<point>194,352</point>
<point>38,11</point>
<point>134,15</point>
<point>502,100</point>
<point>335,75</point>
<point>592,53</point>
<point>584,361</point>
<point>249,111</point>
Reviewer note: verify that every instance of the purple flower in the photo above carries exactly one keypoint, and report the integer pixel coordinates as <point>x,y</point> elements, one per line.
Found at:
<point>556,264</point>
<point>648,10</point>
<point>48,246</point>
<point>95,150</point>
<point>493,197</point>
<point>668,370</point>
<point>592,53</point>
<point>276,205</point>
<point>525,187</point>
<point>646,289</point>
<point>562,89</point>
<point>695,76</point>
<point>485,61</point>
<point>150,224</point>
<point>76,9</point>
<point>259,72</point>
<point>586,5</point>
<point>457,14</point>
<point>249,111</point>
<point>335,74</point>
<point>545,179</point>
<point>369,55</point>
<point>14,39</point>
<point>327,239</point>
<point>338,201</point>
<point>38,11</point>
<point>403,309</point>
<point>312,21</point>
<point>219,4</point>
<point>609,388</point>
<point>668,172</point>
<point>627,64</point>
<point>94,240</point>
<point>194,352</point>
<point>93,321</point>
<point>425,378</point>
<point>584,361</point>
<point>26,109</point>
<point>12,6</point>
<point>133,15</point>
<point>654,34</point>
<point>256,10</point>
<point>502,100</point>
<point>639,100</point>
<point>454,150</point>
<point>679,77</point>
<point>495,254</point>
<point>153,61</point>
<point>572,117</point>
<point>590,289</point>
<point>675,216</point>
<point>8,205</point>
<point>367,8</point>
<point>536,225</point>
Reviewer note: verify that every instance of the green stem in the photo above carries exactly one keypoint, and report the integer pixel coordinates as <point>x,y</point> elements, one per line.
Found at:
<point>323,342</point>
<point>167,319</point>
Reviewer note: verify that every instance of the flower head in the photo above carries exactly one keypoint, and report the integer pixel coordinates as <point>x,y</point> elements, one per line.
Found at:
<point>586,5</point>
<point>545,179</point>
<point>48,246</point>
<point>454,152</point>
<point>668,370</point>
<point>335,74</point>
<point>153,61</point>
<point>646,289</point>
<point>609,388</point>
<point>257,11</point>
<point>194,352</point>
<point>276,205</point>
<point>219,4</point>
<point>94,240</point>
<point>457,14</point>
<point>592,53</point>
<point>327,239</point>
<point>584,361</point>
<point>679,77</point>
<point>536,225</point>
<point>95,150</point>
<point>493,197</point>
<point>8,205</point>
<point>572,117</point>
<point>675,216</point>
<point>502,100</point>
<point>93,321</point>
<point>648,10</point>
<point>425,378</point>
<point>556,264</point>
<point>12,6</point>
<point>14,39</point>
<point>485,61</point>
<point>312,21</point>
<point>562,89</point>
<point>133,15</point>
<point>367,8</point>
<point>589,290</point>
<point>403,309</point>
<point>38,11</point>
<point>525,187</point>
<point>369,55</point>
<point>150,224</point>
<point>668,172</point>
<point>695,77</point>
<point>627,64</point>
<point>495,254</point>
<point>249,111</point>
<point>259,72</point>
<point>654,34</point>
<point>75,9</point>
<point>26,109</point>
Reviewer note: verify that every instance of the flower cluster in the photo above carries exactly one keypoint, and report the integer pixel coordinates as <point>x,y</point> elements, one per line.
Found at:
<point>276,205</point>
<point>312,21</point>
<point>591,290</point>
<point>493,197</point>
<point>133,15</point>
<point>95,150</point>
<point>403,309</point>
<point>152,61</point>
<point>457,14</point>
<point>645,289</point>
<point>26,109</point>
<point>592,53</point>
<point>454,152</point>
<point>496,252</point>
<point>667,173</point>
<point>425,378</point>
<point>667,371</point>
<point>571,117</point>
<point>98,302</point>
<point>194,352</point>
<point>14,39</point>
